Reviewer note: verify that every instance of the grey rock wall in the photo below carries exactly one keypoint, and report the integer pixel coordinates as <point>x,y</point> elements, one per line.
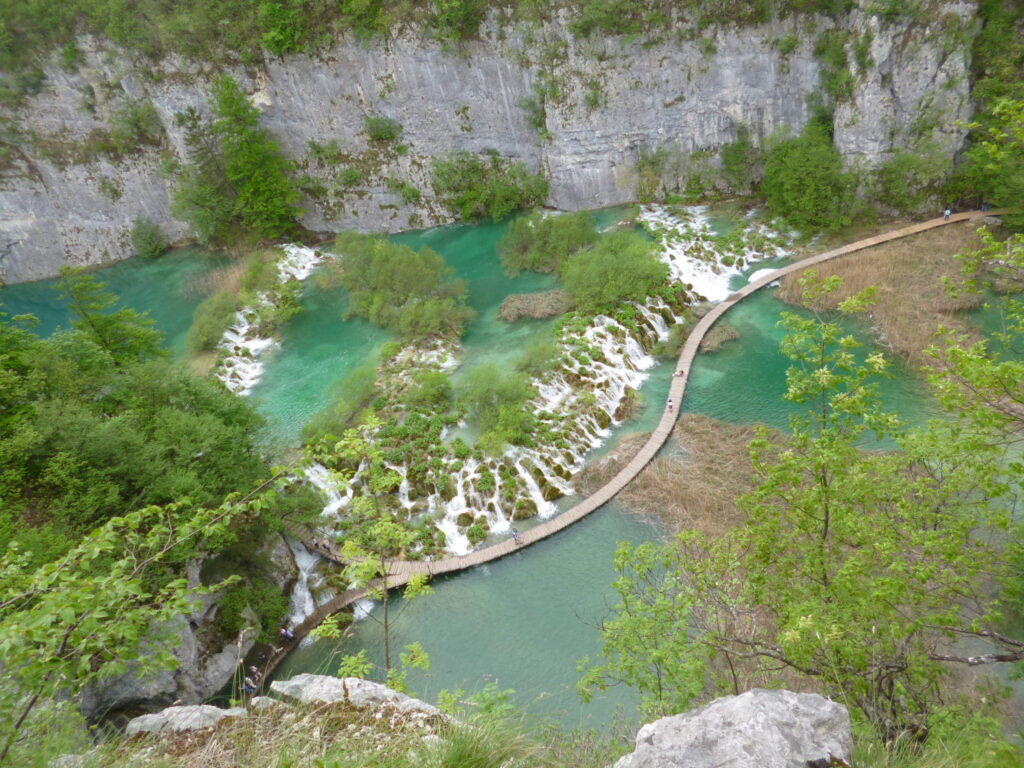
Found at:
<point>611,101</point>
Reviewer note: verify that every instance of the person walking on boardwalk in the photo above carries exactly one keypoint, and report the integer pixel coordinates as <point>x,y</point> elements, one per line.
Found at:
<point>515,537</point>
<point>945,214</point>
<point>670,405</point>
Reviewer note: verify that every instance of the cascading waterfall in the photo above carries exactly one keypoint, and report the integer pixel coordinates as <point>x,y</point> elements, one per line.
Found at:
<point>242,366</point>
<point>695,258</point>
<point>302,602</point>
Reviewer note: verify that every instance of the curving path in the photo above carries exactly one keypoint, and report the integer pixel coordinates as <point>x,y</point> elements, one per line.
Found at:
<point>402,570</point>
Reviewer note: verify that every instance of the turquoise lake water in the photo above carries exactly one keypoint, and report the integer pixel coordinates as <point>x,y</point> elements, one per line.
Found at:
<point>524,621</point>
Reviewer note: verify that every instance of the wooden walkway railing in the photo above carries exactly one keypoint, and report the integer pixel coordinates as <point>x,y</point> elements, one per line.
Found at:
<point>401,570</point>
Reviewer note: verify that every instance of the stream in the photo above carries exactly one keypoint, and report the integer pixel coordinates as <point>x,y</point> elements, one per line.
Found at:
<point>525,621</point>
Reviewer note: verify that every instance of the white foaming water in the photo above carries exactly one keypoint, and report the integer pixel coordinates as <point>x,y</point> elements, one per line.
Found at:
<point>689,249</point>
<point>302,602</point>
<point>362,608</point>
<point>242,367</point>
<point>757,275</point>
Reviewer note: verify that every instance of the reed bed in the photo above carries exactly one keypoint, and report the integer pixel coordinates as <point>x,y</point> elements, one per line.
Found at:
<point>912,301</point>
<point>694,490</point>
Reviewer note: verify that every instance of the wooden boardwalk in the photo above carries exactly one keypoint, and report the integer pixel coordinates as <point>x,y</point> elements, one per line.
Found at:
<point>402,570</point>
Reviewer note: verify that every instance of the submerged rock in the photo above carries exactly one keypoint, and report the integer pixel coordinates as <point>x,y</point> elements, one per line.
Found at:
<point>534,305</point>
<point>767,729</point>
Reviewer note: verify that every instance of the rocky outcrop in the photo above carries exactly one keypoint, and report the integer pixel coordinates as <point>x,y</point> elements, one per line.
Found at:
<point>534,305</point>
<point>767,729</point>
<point>178,719</point>
<point>611,100</point>
<point>359,693</point>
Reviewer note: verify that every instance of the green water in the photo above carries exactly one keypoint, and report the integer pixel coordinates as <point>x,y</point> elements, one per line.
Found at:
<point>523,622</point>
<point>169,288</point>
<point>526,620</point>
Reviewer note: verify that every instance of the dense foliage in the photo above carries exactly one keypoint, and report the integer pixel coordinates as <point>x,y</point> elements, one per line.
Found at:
<point>621,266</point>
<point>475,187</point>
<point>543,243</point>
<point>804,181</point>
<point>148,239</point>
<point>855,569</point>
<point>412,293</point>
<point>237,174</point>
<point>92,428</point>
<point>497,403</point>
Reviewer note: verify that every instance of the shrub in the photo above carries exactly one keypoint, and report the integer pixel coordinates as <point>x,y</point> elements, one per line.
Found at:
<point>622,266</point>
<point>409,194</point>
<point>830,50</point>
<point>283,27</point>
<point>133,125</point>
<point>412,293</point>
<point>497,402</point>
<point>476,187</point>
<point>349,177</point>
<point>263,598</point>
<point>351,396</point>
<point>382,129</point>
<point>804,181</point>
<point>433,388</point>
<point>538,358</point>
<point>456,20</point>
<point>787,44</point>
<point>543,243</point>
<point>908,179</point>
<point>739,159</point>
<point>209,321</point>
<point>148,240</point>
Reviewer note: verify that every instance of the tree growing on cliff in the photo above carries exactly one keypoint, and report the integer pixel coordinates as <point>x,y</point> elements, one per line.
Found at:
<point>804,181</point>
<point>237,173</point>
<point>475,187</point>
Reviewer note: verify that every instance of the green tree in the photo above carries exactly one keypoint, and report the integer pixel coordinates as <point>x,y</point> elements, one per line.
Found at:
<point>148,240</point>
<point>621,267</point>
<point>411,292</point>
<point>374,536</point>
<point>855,567</point>
<point>544,243</point>
<point>266,198</point>
<point>804,181</point>
<point>995,163</point>
<point>497,403</point>
<point>475,187</point>
<point>124,334</point>
<point>97,611</point>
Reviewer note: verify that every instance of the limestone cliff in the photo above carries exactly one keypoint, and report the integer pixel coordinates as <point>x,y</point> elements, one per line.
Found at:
<point>582,110</point>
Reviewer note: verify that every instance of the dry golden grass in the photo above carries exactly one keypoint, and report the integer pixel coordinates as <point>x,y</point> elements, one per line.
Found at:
<point>225,278</point>
<point>911,300</point>
<point>692,491</point>
<point>720,334</point>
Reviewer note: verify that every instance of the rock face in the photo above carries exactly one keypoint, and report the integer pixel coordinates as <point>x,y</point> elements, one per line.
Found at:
<point>767,729</point>
<point>308,689</point>
<point>614,100</point>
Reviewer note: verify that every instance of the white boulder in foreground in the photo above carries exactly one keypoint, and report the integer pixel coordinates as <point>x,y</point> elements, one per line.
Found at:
<point>766,729</point>
<point>175,719</point>
<point>308,689</point>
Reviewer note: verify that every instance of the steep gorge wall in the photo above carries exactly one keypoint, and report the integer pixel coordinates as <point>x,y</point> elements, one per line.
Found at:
<point>607,102</point>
